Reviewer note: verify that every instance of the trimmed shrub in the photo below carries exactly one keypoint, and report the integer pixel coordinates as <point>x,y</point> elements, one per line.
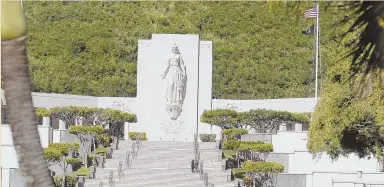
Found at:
<point>231,144</point>
<point>52,154</point>
<point>257,167</point>
<point>101,150</point>
<point>73,161</point>
<point>42,112</point>
<point>265,148</point>
<point>247,181</point>
<point>133,135</point>
<point>103,139</point>
<point>82,172</point>
<point>70,181</point>
<point>85,130</point>
<point>92,156</point>
<point>233,134</point>
<point>236,144</point>
<point>64,147</point>
<point>207,137</point>
<point>223,118</point>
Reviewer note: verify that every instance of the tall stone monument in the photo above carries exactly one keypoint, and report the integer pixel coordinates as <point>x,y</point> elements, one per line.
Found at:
<point>171,91</point>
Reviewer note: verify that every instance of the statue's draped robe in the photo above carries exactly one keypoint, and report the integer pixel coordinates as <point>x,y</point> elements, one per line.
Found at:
<point>176,82</point>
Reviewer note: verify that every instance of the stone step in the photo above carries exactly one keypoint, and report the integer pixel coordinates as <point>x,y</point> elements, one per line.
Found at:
<point>162,164</point>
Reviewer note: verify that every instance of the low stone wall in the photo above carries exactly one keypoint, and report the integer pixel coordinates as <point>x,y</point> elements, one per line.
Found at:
<point>281,158</point>
<point>291,180</point>
<point>267,138</point>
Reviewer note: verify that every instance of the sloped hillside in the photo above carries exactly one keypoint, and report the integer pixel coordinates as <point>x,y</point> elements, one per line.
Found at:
<point>90,48</point>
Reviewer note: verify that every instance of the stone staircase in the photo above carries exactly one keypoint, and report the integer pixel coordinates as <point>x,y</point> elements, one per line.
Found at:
<point>161,164</point>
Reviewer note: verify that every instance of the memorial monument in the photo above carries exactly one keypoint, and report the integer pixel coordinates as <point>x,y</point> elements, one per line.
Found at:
<point>174,87</point>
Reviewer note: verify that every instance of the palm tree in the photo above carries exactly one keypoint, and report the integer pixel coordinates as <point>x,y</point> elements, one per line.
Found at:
<point>17,87</point>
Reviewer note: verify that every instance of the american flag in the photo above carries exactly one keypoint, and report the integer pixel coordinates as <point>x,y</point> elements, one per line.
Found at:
<point>311,13</point>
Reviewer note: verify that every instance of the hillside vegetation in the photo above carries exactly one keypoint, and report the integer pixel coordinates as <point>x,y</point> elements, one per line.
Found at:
<point>90,48</point>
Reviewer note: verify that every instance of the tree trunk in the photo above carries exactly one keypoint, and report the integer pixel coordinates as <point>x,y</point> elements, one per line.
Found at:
<point>21,114</point>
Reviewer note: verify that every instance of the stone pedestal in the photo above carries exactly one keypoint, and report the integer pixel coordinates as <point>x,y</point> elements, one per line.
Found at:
<point>101,162</point>
<point>44,133</point>
<point>46,121</point>
<point>126,131</point>
<point>298,127</point>
<point>80,181</point>
<point>92,172</point>
<point>62,125</point>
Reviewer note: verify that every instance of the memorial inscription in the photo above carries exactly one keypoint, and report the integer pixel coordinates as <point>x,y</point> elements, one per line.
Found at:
<point>173,127</point>
<point>119,104</point>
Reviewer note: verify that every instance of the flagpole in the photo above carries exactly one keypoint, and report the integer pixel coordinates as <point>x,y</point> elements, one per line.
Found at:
<point>317,53</point>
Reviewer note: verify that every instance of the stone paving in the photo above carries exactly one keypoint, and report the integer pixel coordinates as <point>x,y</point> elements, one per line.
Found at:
<point>161,164</point>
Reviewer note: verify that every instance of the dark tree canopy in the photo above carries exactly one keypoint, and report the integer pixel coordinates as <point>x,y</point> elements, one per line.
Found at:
<point>90,48</point>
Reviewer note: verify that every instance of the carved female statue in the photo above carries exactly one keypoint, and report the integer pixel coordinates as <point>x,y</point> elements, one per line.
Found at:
<point>176,77</point>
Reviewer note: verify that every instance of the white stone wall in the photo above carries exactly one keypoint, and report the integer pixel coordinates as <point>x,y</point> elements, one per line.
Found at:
<point>344,179</point>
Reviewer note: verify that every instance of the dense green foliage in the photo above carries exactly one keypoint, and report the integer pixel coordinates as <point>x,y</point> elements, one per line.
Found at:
<point>231,134</point>
<point>223,118</point>
<point>261,148</point>
<point>56,152</point>
<point>86,130</point>
<point>52,155</point>
<point>82,172</point>
<point>262,120</point>
<point>346,120</point>
<point>42,112</point>
<point>207,137</point>
<point>90,48</point>
<point>65,147</point>
<point>73,161</point>
<point>134,135</point>
<point>89,116</point>
<point>70,180</point>
<point>101,150</point>
<point>246,145</point>
<point>103,139</point>
<point>343,123</point>
<point>256,167</point>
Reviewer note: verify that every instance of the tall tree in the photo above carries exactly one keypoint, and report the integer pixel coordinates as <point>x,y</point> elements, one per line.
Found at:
<point>17,86</point>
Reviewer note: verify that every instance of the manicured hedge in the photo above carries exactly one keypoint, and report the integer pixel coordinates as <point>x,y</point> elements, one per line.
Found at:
<point>101,150</point>
<point>42,112</point>
<point>231,134</point>
<point>255,167</point>
<point>207,137</point>
<point>86,130</point>
<point>89,116</point>
<point>70,181</point>
<point>65,146</point>
<point>73,161</point>
<point>258,52</point>
<point>103,139</point>
<point>82,172</point>
<point>246,145</point>
<point>223,118</point>
<point>133,135</point>
<point>256,147</point>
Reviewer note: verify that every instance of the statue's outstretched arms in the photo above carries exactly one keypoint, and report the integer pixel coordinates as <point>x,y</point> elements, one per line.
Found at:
<point>163,75</point>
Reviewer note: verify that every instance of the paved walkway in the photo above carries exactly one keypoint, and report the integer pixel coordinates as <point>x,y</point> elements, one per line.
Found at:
<point>161,164</point>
